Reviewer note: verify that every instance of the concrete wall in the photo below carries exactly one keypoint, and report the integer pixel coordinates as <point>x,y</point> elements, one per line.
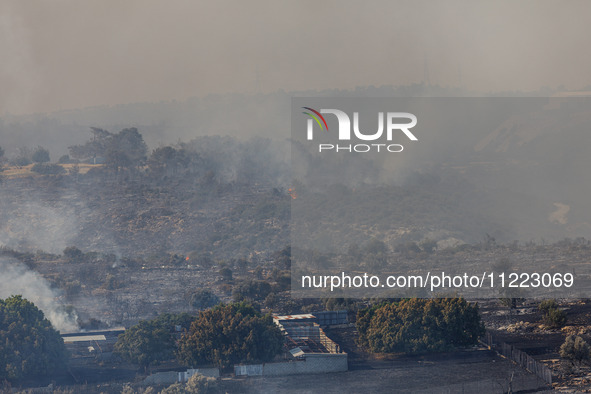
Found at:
<point>209,372</point>
<point>310,364</point>
<point>248,370</point>
<point>171,377</point>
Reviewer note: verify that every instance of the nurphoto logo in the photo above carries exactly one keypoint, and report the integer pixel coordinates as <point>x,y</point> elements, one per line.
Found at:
<point>397,123</point>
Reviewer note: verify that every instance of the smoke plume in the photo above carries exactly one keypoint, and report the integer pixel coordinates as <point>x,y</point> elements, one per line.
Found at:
<point>16,279</point>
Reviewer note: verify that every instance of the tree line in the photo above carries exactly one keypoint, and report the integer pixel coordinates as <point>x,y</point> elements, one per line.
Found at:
<point>222,336</point>
<point>209,157</point>
<point>419,325</point>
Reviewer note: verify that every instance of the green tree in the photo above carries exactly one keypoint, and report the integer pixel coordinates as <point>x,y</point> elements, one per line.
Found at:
<point>230,334</point>
<point>364,318</point>
<point>94,148</point>
<point>147,343</point>
<point>167,160</point>
<point>170,321</point>
<point>41,155</point>
<point>420,325</point>
<point>126,149</point>
<point>29,345</point>
<point>251,290</point>
<point>151,342</point>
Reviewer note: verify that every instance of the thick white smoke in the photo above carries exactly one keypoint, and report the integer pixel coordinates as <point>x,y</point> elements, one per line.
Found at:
<point>16,279</point>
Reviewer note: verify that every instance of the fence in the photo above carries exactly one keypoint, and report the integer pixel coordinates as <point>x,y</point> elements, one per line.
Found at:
<point>519,357</point>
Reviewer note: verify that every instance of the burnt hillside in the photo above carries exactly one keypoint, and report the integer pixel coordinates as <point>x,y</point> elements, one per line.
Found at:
<point>135,215</point>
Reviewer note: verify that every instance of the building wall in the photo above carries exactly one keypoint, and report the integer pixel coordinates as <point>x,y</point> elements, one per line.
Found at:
<point>331,318</point>
<point>209,372</point>
<point>248,370</point>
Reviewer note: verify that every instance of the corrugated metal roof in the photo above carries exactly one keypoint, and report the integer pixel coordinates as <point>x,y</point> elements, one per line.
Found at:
<point>297,351</point>
<point>83,338</point>
<point>107,332</point>
<point>295,317</point>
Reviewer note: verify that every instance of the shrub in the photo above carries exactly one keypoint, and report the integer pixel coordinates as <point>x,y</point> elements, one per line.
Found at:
<point>199,384</point>
<point>175,388</point>
<point>555,318</point>
<point>575,349</point>
<point>547,305</point>
<point>552,315</point>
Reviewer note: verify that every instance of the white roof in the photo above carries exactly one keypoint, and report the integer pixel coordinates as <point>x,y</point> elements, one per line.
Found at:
<point>296,352</point>
<point>295,317</point>
<point>83,338</point>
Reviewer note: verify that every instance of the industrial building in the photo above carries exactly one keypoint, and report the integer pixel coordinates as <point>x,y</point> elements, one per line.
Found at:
<point>307,348</point>
<point>92,344</point>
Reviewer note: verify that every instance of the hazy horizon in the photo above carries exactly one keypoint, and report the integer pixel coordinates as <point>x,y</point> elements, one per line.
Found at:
<point>69,55</point>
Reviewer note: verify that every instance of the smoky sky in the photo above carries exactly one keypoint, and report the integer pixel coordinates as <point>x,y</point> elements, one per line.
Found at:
<point>67,54</point>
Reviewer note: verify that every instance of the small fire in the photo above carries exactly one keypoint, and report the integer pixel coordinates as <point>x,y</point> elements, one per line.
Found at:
<point>292,193</point>
<point>187,258</point>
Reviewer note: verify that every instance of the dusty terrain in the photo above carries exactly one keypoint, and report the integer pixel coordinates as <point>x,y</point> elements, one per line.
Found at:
<point>475,371</point>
